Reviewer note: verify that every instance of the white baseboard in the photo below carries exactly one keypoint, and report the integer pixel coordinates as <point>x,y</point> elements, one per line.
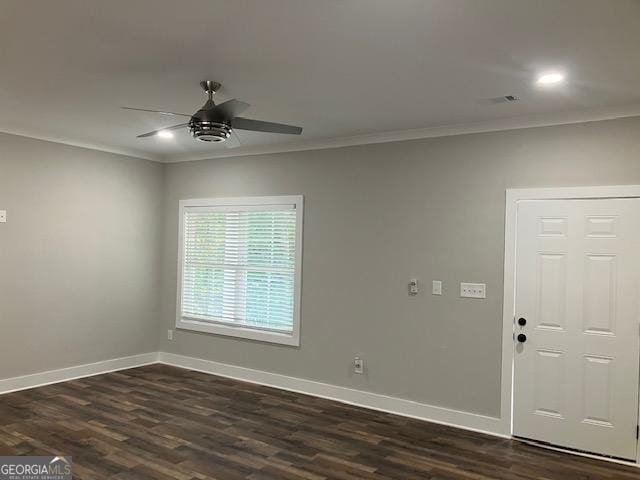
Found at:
<point>374,401</point>
<point>70,373</point>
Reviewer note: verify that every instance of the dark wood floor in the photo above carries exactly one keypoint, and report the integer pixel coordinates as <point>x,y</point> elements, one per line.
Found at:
<point>160,422</point>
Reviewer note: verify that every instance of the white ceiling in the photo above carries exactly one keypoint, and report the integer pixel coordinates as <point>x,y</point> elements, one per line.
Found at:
<point>339,68</point>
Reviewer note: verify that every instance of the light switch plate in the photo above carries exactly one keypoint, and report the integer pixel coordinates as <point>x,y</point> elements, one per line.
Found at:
<point>3,216</point>
<point>473,290</point>
<point>436,287</point>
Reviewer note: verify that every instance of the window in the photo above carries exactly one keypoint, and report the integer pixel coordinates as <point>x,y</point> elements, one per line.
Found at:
<point>239,267</point>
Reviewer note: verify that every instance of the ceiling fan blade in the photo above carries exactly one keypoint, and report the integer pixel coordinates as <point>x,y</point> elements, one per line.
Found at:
<point>233,141</point>
<point>231,108</point>
<point>161,112</point>
<point>150,134</point>
<point>260,126</point>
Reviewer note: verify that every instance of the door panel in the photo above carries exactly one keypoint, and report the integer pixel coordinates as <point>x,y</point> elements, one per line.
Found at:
<point>549,378</point>
<point>551,294</point>
<point>577,286</point>
<point>596,375</point>
<point>599,294</point>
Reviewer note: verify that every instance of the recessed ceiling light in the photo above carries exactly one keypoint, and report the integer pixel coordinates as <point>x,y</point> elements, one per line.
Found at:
<point>165,134</point>
<point>550,78</point>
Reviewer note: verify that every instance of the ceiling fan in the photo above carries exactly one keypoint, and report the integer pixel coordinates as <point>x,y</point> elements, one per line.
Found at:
<point>215,123</point>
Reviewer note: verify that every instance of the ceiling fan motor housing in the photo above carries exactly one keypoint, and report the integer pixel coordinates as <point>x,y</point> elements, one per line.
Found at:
<point>209,131</point>
<point>205,125</point>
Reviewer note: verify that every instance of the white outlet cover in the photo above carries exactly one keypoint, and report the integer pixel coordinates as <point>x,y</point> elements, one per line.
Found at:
<point>473,290</point>
<point>436,287</point>
<point>3,216</point>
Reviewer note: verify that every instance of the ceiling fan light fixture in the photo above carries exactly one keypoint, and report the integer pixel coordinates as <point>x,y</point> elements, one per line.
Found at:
<point>209,131</point>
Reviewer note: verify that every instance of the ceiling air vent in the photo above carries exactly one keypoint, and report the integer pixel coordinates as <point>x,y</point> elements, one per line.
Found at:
<point>504,99</point>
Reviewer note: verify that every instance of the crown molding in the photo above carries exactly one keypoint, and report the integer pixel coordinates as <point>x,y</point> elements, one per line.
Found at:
<point>81,144</point>
<point>512,123</point>
<point>503,124</point>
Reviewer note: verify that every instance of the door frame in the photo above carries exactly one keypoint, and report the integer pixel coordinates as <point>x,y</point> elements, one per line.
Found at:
<point>513,197</point>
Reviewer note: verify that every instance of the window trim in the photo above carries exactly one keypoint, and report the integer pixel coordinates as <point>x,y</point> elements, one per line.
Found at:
<point>229,330</point>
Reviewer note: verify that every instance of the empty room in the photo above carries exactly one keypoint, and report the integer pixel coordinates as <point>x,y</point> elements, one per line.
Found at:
<point>319,240</point>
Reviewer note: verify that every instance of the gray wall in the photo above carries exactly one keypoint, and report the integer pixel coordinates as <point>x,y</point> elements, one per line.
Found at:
<point>79,256</point>
<point>377,215</point>
<point>88,257</point>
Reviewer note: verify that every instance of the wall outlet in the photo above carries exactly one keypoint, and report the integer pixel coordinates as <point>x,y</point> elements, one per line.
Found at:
<point>169,334</point>
<point>358,365</point>
<point>436,287</point>
<point>3,216</point>
<point>473,290</point>
<point>413,286</point>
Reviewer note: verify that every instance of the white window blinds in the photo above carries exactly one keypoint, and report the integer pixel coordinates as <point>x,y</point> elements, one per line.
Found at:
<point>238,265</point>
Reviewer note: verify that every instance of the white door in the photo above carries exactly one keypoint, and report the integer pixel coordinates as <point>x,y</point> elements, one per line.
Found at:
<point>577,288</point>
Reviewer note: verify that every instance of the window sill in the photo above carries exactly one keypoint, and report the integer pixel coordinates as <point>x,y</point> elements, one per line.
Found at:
<point>291,339</point>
